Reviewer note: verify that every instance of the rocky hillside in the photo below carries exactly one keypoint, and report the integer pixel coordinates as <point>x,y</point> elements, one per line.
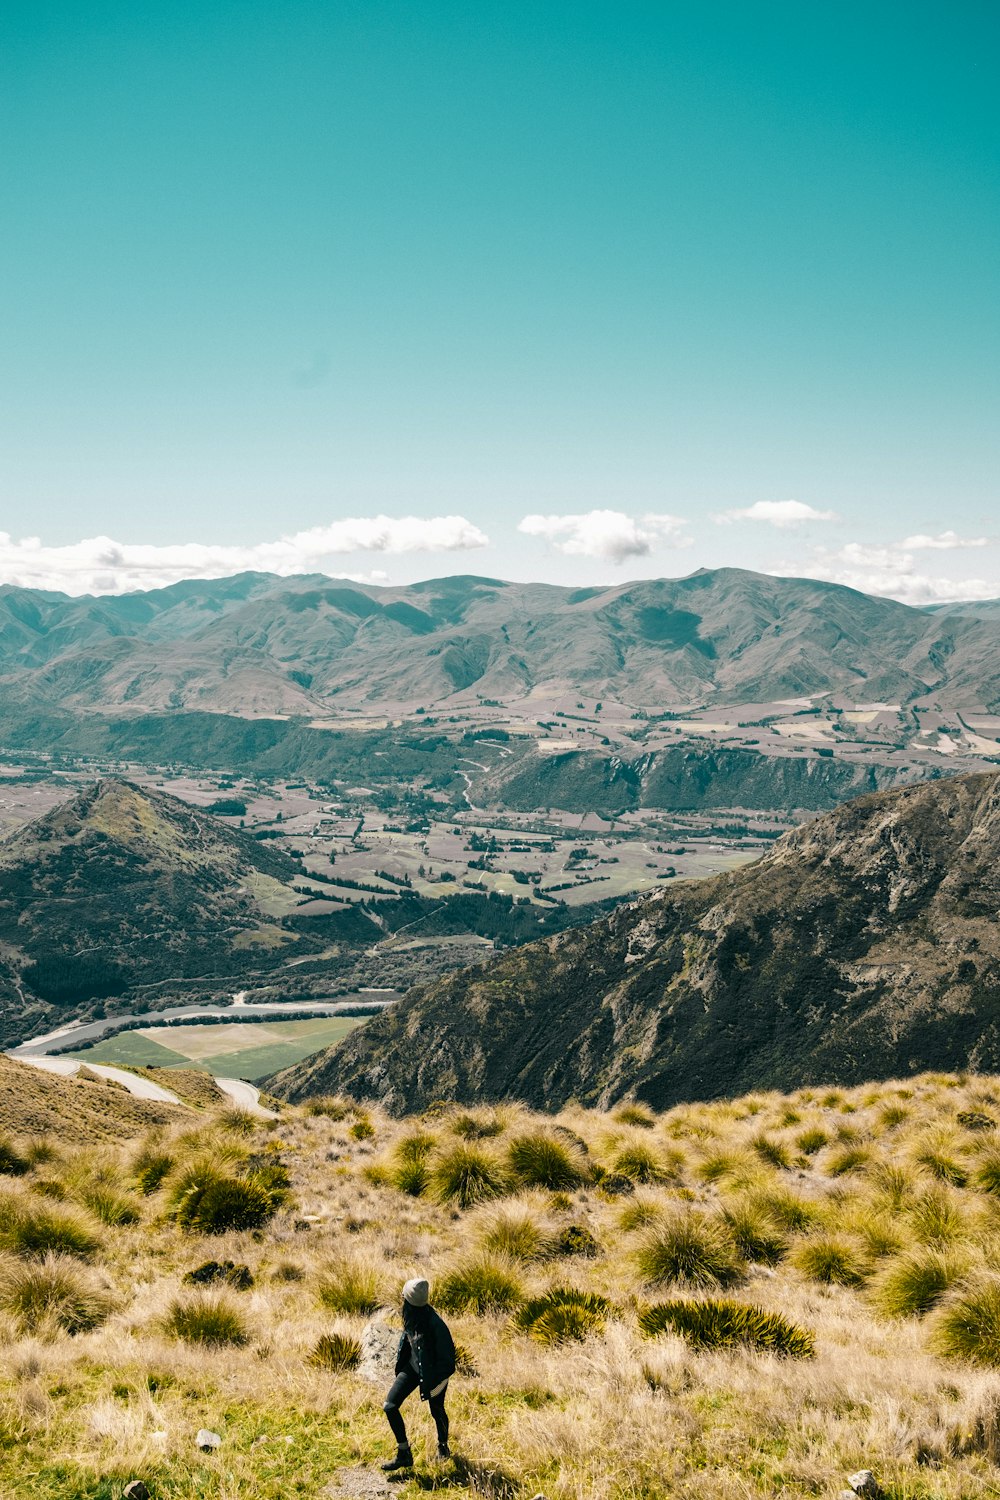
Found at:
<point>121,887</point>
<point>864,945</point>
<point>257,644</point>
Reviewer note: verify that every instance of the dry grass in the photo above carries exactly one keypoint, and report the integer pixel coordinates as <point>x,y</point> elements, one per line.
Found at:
<point>887,1265</point>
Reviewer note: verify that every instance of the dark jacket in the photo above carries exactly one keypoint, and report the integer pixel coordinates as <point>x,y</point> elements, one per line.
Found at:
<point>434,1350</point>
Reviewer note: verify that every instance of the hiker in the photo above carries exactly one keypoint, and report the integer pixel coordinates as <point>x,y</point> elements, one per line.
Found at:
<point>425,1358</point>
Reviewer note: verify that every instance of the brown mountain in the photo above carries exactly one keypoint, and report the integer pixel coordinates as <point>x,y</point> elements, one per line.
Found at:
<point>256,644</point>
<point>119,888</point>
<point>864,945</point>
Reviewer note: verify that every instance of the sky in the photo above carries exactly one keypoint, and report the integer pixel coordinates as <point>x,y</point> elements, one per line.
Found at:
<point>565,291</point>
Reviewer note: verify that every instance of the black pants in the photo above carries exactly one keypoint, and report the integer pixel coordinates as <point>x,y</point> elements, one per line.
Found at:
<point>404,1385</point>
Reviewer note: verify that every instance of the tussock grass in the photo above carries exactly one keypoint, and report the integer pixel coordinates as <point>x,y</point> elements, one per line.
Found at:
<point>636,1115</point>
<point>916,1282</point>
<point>117,1210</point>
<point>481,1284</point>
<point>37,1227</point>
<point>691,1248</point>
<point>466,1175</point>
<point>13,1162</point>
<point>207,1200</point>
<point>640,1164</point>
<point>968,1326</point>
<point>517,1234</point>
<point>151,1168</point>
<point>541,1160</point>
<point>830,1259</point>
<point>55,1293</point>
<point>754,1233</point>
<point>719,1323</point>
<point>206,1318</point>
<point>351,1286</point>
<point>564,1314</point>
<point>479,1124</point>
<point>812,1140</point>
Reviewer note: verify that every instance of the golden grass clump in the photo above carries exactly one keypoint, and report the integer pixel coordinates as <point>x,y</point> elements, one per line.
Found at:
<point>207,1200</point>
<point>466,1175</point>
<point>910,1286</point>
<point>335,1351</point>
<point>691,1248</point>
<point>350,1286</point>
<point>481,1284</point>
<point>830,1259</point>
<point>55,1293</point>
<point>516,1233</point>
<point>538,1159</point>
<point>211,1318</point>
<point>33,1226</point>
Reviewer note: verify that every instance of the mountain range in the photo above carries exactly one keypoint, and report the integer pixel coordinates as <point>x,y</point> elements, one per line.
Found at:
<point>256,644</point>
<point>863,945</point>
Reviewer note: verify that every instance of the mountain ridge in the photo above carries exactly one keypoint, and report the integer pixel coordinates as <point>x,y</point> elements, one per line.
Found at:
<point>259,644</point>
<point>862,945</point>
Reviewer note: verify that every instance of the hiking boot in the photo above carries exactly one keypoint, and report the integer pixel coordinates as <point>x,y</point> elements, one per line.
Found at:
<point>403,1460</point>
<point>443,1450</point>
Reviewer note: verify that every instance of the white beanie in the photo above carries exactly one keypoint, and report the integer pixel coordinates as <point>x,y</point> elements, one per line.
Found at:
<point>417,1292</point>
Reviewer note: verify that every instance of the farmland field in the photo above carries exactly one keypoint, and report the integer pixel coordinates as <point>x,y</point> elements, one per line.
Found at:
<point>249,1050</point>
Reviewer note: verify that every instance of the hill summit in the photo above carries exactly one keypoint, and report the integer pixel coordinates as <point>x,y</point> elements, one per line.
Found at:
<point>117,887</point>
<point>864,945</point>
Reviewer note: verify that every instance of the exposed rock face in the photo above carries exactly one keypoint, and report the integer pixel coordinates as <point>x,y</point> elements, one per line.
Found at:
<point>865,944</point>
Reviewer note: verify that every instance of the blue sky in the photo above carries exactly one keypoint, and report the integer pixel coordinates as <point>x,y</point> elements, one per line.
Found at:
<point>568,291</point>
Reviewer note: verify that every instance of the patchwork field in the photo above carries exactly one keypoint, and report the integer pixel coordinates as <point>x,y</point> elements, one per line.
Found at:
<point>248,1050</point>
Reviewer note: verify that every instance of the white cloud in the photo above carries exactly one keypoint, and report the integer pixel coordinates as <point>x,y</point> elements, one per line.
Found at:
<point>945,541</point>
<point>889,571</point>
<point>608,534</point>
<point>99,565</point>
<point>777,513</point>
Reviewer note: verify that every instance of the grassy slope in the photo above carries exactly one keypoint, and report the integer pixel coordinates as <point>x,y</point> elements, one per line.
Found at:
<point>621,1416</point>
<point>37,1103</point>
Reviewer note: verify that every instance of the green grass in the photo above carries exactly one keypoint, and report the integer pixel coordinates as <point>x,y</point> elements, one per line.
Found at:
<point>299,1039</point>
<point>719,1323</point>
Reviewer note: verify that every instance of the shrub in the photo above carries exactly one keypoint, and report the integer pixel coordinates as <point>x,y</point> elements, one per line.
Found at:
<point>689,1247</point>
<point>563,1314</point>
<point>336,1351</point>
<point>976,1119</point>
<point>916,1283</point>
<point>576,1239</point>
<point>719,1323</point>
<point>362,1129</point>
<point>34,1227</point>
<point>754,1234</point>
<point>12,1162</point>
<point>833,1261</point>
<point>968,1326</point>
<point>150,1169</point>
<point>57,1290</point>
<point>516,1235</point>
<point>811,1141</point>
<point>208,1201</point>
<point>239,1277</point>
<point>635,1114</point>
<point>465,1175</point>
<point>481,1285</point>
<point>351,1287</point>
<point>639,1164</point>
<point>117,1210</point>
<point>206,1318</point>
<point>539,1160</point>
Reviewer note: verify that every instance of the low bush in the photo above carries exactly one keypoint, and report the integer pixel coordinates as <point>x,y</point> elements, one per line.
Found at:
<point>689,1247</point>
<point>231,1273</point>
<point>56,1291</point>
<point>915,1283</point>
<point>831,1260</point>
<point>576,1239</point>
<point>206,1318</point>
<point>465,1175</point>
<point>719,1323</point>
<point>563,1314</point>
<point>336,1351</point>
<point>362,1129</point>
<point>539,1160</point>
<point>351,1287</point>
<point>481,1285</point>
<point>208,1201</point>
<point>38,1227</point>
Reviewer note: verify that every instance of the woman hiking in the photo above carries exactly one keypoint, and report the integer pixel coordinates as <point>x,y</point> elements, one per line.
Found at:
<point>425,1358</point>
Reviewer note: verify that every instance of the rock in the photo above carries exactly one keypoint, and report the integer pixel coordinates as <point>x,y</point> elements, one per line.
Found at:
<point>379,1343</point>
<point>208,1441</point>
<point>865,1484</point>
<point>135,1490</point>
